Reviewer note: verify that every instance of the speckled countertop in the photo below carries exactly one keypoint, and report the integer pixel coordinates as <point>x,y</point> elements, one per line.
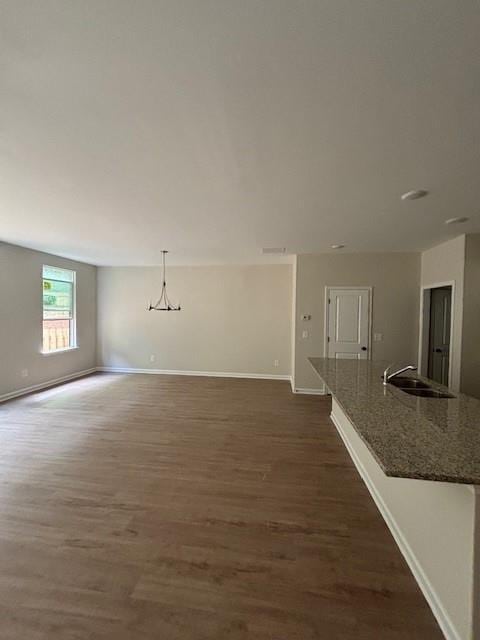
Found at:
<point>410,437</point>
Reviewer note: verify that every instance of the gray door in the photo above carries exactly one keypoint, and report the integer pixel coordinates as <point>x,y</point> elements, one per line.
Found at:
<point>439,342</point>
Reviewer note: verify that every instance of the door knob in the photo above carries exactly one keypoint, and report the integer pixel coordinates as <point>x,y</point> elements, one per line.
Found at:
<point>438,350</point>
<point>364,348</point>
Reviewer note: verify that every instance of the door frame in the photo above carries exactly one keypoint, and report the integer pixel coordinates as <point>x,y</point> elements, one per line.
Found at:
<point>325,320</point>
<point>424,327</point>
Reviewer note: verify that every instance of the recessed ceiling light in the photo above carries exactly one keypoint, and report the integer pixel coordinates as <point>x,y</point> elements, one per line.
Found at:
<point>338,246</point>
<point>268,250</point>
<point>456,220</point>
<point>415,194</point>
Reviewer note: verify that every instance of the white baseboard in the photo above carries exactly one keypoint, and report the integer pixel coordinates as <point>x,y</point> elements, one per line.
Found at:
<point>425,585</point>
<point>310,392</point>
<point>45,385</point>
<point>178,372</point>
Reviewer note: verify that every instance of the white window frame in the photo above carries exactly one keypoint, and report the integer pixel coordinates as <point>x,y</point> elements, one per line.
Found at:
<point>73,320</point>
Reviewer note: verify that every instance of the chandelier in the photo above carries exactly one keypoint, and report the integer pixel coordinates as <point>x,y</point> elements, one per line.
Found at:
<point>163,303</point>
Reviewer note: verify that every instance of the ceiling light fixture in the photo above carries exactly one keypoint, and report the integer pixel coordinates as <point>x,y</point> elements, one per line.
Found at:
<point>458,220</point>
<point>163,303</point>
<point>337,246</point>
<point>415,194</point>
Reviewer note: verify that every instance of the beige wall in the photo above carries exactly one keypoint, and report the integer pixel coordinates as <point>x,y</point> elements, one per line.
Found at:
<point>395,280</point>
<point>470,368</point>
<point>21,320</point>
<point>446,263</point>
<point>293,322</point>
<point>233,319</point>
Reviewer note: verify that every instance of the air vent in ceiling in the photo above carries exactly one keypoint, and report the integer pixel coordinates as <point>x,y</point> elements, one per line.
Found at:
<point>270,250</point>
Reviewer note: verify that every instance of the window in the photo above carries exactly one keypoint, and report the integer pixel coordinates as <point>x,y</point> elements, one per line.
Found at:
<point>58,309</point>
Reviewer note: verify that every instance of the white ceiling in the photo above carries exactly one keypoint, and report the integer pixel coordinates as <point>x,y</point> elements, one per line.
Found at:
<point>216,127</point>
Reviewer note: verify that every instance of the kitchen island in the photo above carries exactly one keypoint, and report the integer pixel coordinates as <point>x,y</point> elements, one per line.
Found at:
<point>410,437</point>
<point>419,458</point>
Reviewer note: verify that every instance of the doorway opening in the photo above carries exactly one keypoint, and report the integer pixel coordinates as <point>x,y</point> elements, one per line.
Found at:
<point>435,357</point>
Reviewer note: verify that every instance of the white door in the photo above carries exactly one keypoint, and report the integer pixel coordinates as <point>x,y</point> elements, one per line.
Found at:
<point>347,328</point>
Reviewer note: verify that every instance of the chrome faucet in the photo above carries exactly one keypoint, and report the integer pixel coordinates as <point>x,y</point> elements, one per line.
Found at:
<point>388,376</point>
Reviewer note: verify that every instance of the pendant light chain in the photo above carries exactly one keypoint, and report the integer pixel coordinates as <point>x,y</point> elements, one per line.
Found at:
<point>163,303</point>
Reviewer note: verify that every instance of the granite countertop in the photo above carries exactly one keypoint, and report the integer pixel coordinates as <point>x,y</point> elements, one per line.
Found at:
<point>409,436</point>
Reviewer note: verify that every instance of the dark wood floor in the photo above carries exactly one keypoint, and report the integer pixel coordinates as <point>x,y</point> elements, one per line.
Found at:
<point>164,508</point>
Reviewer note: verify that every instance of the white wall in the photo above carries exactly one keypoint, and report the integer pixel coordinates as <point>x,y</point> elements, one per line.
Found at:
<point>446,263</point>
<point>395,278</point>
<point>233,319</point>
<point>21,320</point>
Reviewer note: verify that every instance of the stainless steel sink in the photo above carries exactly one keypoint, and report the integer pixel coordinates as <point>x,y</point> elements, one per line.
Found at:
<point>408,383</point>
<point>415,387</point>
<point>427,393</point>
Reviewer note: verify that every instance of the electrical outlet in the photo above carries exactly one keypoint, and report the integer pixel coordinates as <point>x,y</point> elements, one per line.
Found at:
<point>304,334</point>
<point>276,363</point>
<point>24,373</point>
<point>152,358</point>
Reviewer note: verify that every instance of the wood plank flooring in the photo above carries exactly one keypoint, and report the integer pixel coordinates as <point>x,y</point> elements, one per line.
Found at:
<point>143,507</point>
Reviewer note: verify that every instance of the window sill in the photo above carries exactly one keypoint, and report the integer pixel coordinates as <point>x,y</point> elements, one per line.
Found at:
<point>53,353</point>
